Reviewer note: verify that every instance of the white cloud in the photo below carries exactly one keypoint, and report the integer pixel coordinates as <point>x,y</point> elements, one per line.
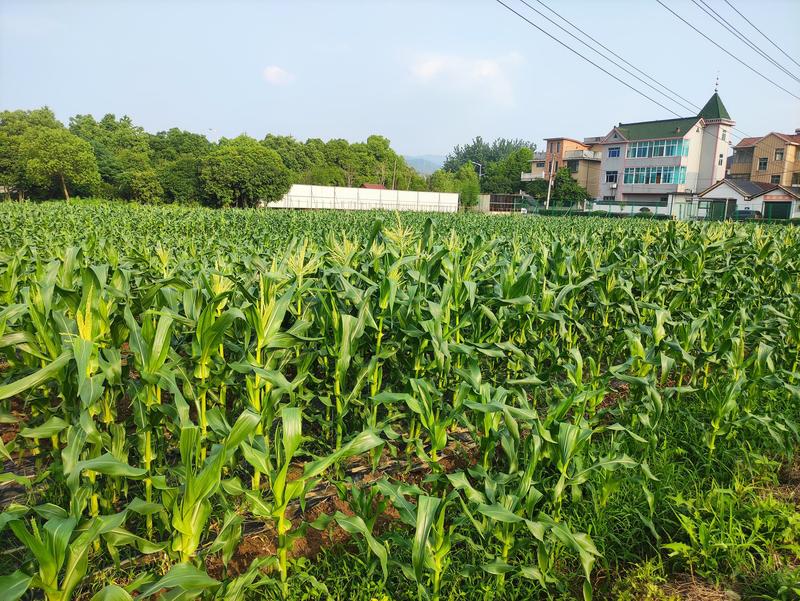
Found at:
<point>277,76</point>
<point>486,76</point>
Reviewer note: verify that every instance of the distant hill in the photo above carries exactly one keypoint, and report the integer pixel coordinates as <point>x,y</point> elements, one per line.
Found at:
<point>425,163</point>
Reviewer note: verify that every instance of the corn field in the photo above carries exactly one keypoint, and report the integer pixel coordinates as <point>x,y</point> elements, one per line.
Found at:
<point>456,406</point>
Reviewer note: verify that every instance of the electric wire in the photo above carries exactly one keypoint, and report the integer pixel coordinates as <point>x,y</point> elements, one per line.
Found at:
<point>729,53</point>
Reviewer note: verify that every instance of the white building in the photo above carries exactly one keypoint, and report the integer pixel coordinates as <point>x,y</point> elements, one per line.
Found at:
<point>658,166</point>
<point>727,196</point>
<point>301,196</point>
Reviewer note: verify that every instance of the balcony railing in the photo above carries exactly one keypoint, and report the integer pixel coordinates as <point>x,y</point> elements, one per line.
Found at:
<point>529,177</point>
<point>582,154</point>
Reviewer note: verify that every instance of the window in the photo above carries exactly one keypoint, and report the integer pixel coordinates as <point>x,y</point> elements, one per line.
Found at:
<point>724,135</point>
<point>613,152</point>
<point>775,179</point>
<point>779,154</point>
<point>653,175</point>
<point>628,176</point>
<point>762,164</point>
<point>663,148</point>
<point>558,146</point>
<point>540,164</point>
<point>720,160</point>
<point>611,177</point>
<point>573,166</point>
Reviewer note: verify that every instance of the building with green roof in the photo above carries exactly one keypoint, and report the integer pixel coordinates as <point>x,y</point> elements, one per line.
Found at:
<point>659,166</point>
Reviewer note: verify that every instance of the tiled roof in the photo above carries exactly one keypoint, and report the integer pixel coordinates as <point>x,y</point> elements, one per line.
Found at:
<point>714,109</point>
<point>748,142</point>
<point>649,130</point>
<point>373,186</point>
<point>747,188</point>
<point>674,128</point>
<point>792,138</point>
<point>784,189</point>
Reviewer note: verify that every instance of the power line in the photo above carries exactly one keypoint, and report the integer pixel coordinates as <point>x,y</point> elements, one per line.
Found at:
<point>588,60</point>
<point>617,55</point>
<point>524,18</point>
<point>595,50</point>
<point>571,24</point>
<point>774,83</point>
<point>704,6</point>
<point>762,33</point>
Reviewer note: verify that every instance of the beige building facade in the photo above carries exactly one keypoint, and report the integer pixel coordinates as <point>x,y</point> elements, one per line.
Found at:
<point>582,160</point>
<point>770,159</point>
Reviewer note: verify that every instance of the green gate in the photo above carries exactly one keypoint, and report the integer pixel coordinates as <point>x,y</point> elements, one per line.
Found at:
<point>777,210</point>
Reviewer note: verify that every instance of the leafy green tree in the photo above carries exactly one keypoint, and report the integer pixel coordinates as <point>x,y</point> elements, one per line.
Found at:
<point>566,191</point>
<point>176,156</point>
<point>242,172</point>
<point>468,186</point>
<point>123,155</point>
<point>324,175</point>
<point>13,124</point>
<point>442,181</point>
<point>176,143</point>
<point>180,179</point>
<point>142,185</point>
<point>503,177</point>
<point>484,153</point>
<point>56,155</point>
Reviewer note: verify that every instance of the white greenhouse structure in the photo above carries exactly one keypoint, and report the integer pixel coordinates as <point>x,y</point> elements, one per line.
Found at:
<point>302,196</point>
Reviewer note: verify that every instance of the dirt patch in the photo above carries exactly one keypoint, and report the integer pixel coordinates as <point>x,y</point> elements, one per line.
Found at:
<point>788,487</point>
<point>265,542</point>
<point>688,588</point>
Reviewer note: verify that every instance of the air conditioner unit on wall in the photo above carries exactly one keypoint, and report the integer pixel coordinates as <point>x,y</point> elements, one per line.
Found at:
<point>613,186</point>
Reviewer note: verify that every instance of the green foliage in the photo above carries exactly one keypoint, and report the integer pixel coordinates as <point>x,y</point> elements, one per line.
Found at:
<point>566,191</point>
<point>166,167</point>
<point>503,176</point>
<point>13,124</point>
<point>241,172</point>
<point>55,157</point>
<point>544,403</point>
<point>484,153</point>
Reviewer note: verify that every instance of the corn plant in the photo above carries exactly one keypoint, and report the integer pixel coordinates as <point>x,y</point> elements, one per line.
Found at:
<point>284,490</point>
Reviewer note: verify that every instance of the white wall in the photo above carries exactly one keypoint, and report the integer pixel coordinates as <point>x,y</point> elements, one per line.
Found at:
<point>710,172</point>
<point>725,192</point>
<point>302,196</point>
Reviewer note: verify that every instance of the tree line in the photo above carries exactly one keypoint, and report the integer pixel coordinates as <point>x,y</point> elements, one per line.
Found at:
<point>501,163</point>
<point>114,158</point>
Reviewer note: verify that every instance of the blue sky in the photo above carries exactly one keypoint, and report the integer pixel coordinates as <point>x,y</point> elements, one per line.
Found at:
<point>428,75</point>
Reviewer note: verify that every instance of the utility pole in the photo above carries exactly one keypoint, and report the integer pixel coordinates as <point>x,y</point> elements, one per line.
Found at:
<point>549,185</point>
<point>480,169</point>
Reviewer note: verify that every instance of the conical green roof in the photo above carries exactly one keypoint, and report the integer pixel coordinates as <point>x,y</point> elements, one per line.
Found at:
<point>714,109</point>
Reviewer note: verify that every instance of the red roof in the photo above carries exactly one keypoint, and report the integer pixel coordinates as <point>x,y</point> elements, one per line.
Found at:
<point>794,138</point>
<point>747,142</point>
<point>374,186</point>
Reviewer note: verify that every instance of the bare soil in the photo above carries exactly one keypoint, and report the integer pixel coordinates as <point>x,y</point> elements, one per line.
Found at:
<point>688,588</point>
